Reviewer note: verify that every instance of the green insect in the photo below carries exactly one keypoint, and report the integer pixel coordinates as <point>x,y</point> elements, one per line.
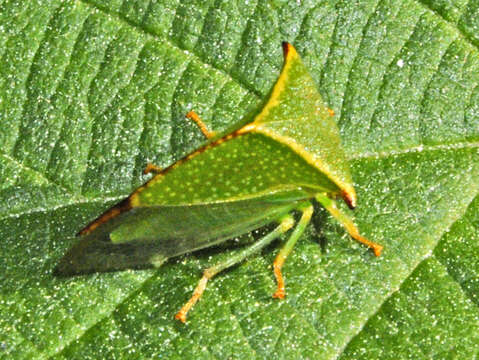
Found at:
<point>286,156</point>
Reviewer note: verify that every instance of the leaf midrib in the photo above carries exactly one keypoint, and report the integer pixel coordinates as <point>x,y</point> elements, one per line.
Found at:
<point>413,149</point>
<point>41,177</point>
<point>76,201</point>
<point>80,200</point>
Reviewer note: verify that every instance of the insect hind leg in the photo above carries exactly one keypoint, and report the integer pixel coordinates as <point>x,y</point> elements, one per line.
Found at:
<point>307,212</point>
<point>285,224</point>
<point>151,168</point>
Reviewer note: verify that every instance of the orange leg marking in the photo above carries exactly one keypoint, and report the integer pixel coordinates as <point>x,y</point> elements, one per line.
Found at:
<point>277,265</point>
<point>331,112</point>
<point>377,249</point>
<point>200,288</point>
<point>348,224</point>
<point>307,210</point>
<point>286,223</point>
<point>354,232</point>
<point>194,116</point>
<point>151,168</point>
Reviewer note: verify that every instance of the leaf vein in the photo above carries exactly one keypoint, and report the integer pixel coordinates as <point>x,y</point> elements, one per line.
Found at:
<point>244,37</point>
<point>238,321</point>
<point>456,280</point>
<point>187,52</point>
<point>326,61</point>
<point>77,201</point>
<point>463,35</point>
<point>39,175</point>
<point>347,89</point>
<point>122,118</point>
<point>392,293</point>
<point>382,86</point>
<point>424,97</point>
<point>55,93</point>
<point>106,316</point>
<point>414,149</point>
<point>29,79</point>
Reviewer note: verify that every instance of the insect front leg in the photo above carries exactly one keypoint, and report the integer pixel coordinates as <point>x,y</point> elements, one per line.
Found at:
<point>151,168</point>
<point>346,221</point>
<point>307,212</point>
<point>194,116</point>
<point>285,224</point>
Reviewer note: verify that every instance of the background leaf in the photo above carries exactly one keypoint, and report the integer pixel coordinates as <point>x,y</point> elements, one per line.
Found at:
<point>90,91</point>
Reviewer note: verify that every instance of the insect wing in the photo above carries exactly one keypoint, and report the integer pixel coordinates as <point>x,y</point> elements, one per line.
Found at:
<point>181,229</point>
<point>149,235</point>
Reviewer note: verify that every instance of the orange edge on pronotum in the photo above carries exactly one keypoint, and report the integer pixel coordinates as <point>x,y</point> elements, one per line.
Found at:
<point>349,199</point>
<point>286,47</point>
<point>130,202</point>
<point>116,210</point>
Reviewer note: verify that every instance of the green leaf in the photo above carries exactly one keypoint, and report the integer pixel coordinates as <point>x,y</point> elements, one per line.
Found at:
<point>90,91</point>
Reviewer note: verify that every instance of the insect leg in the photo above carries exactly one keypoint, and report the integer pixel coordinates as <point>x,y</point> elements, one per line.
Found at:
<point>346,221</point>
<point>286,223</point>
<point>151,168</point>
<point>194,116</point>
<point>307,211</point>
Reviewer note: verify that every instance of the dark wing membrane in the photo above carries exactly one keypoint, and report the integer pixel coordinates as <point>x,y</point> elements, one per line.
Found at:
<point>149,235</point>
